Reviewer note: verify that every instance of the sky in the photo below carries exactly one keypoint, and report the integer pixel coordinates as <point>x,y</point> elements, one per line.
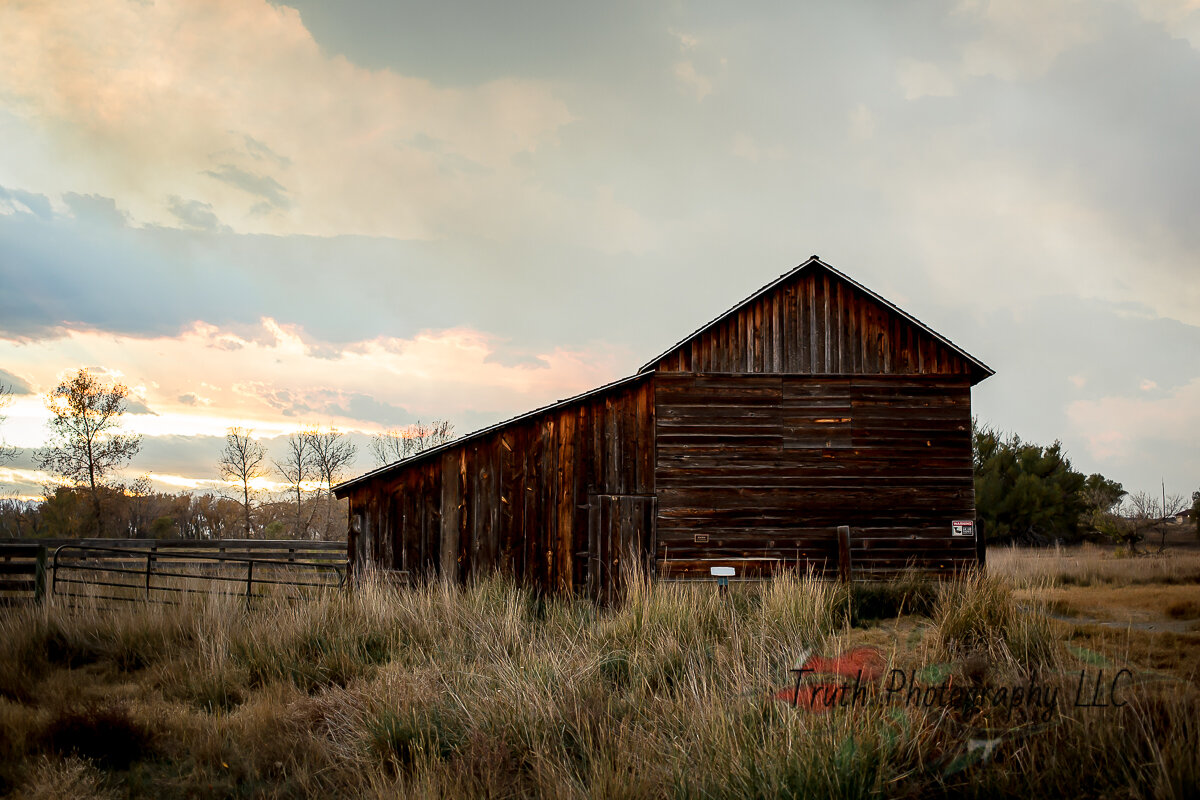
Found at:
<point>368,213</point>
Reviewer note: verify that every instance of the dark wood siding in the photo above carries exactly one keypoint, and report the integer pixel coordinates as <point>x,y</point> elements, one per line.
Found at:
<point>815,324</point>
<point>759,470</point>
<point>516,499</point>
<point>812,405</point>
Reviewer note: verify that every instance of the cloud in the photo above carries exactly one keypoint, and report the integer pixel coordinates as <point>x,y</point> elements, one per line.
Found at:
<point>277,381</point>
<point>13,201</point>
<point>747,148</point>
<point>862,123</point>
<point>136,405</point>
<point>194,214</point>
<point>94,208</point>
<point>698,85</point>
<point>1019,39</point>
<point>233,104</point>
<point>193,399</point>
<point>263,186</point>
<point>922,79</point>
<point>1180,18</point>
<point>15,383</point>
<point>1121,427</point>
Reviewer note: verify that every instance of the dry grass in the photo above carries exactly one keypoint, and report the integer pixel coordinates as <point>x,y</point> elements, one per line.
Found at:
<point>493,691</point>
<point>1140,604</point>
<point>1094,565</point>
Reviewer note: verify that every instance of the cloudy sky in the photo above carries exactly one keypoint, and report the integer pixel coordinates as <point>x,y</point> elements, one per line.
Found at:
<point>365,213</point>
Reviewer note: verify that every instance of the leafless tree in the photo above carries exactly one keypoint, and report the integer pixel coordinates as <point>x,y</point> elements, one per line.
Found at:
<point>298,469</point>
<point>1146,513</point>
<point>87,444</point>
<point>242,461</point>
<point>398,444</point>
<point>332,453</point>
<point>7,453</point>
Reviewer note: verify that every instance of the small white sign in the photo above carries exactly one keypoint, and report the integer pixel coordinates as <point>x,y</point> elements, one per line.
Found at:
<point>963,527</point>
<point>722,572</point>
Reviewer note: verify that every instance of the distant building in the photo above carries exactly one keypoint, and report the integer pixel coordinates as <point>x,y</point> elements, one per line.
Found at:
<point>812,404</point>
<point>1184,516</point>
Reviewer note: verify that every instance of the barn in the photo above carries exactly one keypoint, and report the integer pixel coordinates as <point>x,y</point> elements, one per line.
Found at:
<point>812,405</point>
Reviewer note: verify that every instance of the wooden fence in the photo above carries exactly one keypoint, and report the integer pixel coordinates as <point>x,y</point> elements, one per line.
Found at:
<point>160,570</point>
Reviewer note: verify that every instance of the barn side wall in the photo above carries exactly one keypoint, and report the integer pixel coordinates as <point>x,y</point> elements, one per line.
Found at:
<point>816,323</point>
<point>517,499</point>
<point>767,466</point>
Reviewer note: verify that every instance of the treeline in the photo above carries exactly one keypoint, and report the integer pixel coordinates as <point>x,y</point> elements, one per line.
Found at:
<point>1030,493</point>
<point>138,513</point>
<point>87,451</point>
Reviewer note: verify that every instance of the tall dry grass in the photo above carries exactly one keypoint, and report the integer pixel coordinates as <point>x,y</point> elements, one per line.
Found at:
<point>491,690</point>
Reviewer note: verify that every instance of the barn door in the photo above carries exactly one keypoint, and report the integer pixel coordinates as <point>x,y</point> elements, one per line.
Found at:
<point>620,535</point>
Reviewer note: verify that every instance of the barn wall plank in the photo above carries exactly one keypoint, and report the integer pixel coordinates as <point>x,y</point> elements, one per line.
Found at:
<point>759,466</point>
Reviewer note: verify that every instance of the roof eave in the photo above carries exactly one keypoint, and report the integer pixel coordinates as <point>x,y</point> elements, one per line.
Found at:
<point>342,489</point>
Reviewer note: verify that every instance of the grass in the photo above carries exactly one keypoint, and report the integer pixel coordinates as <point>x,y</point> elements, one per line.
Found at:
<point>1095,565</point>
<point>491,690</point>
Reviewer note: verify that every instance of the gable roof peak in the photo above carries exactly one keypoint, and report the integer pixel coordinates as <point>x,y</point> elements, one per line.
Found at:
<point>981,370</point>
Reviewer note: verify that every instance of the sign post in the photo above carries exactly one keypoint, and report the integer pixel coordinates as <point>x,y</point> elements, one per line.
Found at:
<point>722,574</point>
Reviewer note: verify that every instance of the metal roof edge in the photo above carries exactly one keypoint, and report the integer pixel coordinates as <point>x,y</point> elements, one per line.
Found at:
<point>379,471</point>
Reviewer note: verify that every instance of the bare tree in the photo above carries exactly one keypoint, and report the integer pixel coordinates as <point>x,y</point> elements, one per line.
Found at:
<point>332,453</point>
<point>1147,513</point>
<point>87,444</point>
<point>7,453</point>
<point>298,469</point>
<point>243,460</point>
<point>398,444</point>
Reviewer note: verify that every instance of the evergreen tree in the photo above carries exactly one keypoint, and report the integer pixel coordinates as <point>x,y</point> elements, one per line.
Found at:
<point>1025,491</point>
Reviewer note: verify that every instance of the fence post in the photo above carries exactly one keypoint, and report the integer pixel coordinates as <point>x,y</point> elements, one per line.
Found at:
<point>149,556</point>
<point>39,577</point>
<point>843,536</point>
<point>980,543</point>
<point>249,580</point>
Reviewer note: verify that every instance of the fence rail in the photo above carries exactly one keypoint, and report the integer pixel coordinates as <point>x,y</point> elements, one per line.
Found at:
<point>155,569</point>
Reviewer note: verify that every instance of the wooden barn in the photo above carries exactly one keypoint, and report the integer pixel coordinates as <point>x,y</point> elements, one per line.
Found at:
<point>812,404</point>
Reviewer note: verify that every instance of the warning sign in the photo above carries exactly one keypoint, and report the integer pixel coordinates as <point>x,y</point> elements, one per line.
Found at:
<point>963,527</point>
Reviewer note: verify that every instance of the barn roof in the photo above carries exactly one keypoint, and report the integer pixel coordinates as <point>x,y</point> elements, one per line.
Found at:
<point>980,370</point>
<point>424,454</point>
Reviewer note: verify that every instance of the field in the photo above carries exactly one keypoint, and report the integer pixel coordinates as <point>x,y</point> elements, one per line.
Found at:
<point>492,691</point>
